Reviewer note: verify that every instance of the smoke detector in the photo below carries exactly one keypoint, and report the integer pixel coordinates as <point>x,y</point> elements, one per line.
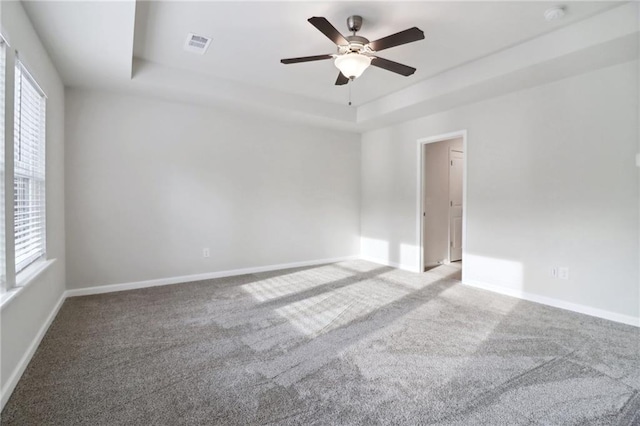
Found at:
<point>197,44</point>
<point>554,13</point>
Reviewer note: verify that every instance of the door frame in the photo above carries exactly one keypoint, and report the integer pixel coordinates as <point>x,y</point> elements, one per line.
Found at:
<point>420,193</point>
<point>450,237</point>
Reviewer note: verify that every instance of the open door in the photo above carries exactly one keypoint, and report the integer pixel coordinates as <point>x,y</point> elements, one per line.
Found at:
<point>456,161</point>
<point>441,177</point>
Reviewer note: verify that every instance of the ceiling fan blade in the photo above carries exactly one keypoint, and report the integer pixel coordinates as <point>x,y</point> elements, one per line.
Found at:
<point>327,29</point>
<point>341,80</point>
<point>397,39</point>
<point>306,59</point>
<point>392,66</point>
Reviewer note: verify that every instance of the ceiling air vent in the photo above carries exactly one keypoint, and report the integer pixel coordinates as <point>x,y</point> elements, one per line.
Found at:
<point>197,43</point>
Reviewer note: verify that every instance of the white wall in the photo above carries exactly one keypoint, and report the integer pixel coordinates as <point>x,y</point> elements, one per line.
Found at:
<point>24,316</point>
<point>151,183</point>
<point>551,182</point>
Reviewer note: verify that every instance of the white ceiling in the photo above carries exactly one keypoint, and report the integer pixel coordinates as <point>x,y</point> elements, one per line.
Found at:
<point>90,41</point>
<point>250,38</point>
<point>472,51</point>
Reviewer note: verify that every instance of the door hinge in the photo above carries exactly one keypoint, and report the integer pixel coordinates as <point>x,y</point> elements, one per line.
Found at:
<point>452,162</point>
<point>451,243</point>
<point>451,203</point>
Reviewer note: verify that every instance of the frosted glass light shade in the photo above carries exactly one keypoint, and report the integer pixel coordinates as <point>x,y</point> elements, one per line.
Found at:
<point>352,65</point>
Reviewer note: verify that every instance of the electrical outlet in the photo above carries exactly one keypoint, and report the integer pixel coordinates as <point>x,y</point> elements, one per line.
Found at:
<point>560,272</point>
<point>205,252</point>
<point>563,273</point>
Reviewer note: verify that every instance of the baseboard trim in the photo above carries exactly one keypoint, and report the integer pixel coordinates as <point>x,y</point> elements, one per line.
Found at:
<point>556,303</point>
<point>86,291</point>
<point>8,388</point>
<point>389,263</point>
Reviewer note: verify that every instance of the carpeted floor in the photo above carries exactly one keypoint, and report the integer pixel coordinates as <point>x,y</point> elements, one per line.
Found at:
<point>340,344</point>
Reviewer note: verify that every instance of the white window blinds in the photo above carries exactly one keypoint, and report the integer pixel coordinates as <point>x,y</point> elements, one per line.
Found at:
<point>29,169</point>
<point>3,272</point>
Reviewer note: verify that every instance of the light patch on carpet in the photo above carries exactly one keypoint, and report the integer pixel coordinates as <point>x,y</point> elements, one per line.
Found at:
<point>325,312</point>
<point>282,286</point>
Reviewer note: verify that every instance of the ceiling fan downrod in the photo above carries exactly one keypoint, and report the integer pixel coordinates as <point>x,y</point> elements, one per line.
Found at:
<point>354,23</point>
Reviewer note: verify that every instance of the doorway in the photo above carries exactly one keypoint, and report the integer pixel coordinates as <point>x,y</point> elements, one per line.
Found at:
<point>441,199</point>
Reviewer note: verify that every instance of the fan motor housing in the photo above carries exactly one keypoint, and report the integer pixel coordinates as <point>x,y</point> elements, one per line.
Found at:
<point>356,43</point>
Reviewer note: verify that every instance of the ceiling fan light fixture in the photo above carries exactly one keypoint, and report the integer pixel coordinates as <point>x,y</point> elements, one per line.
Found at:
<point>356,53</point>
<point>352,65</point>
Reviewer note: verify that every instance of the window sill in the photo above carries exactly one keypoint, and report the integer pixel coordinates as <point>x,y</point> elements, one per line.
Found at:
<point>24,279</point>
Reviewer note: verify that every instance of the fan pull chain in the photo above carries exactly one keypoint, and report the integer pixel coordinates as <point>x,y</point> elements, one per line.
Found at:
<point>350,92</point>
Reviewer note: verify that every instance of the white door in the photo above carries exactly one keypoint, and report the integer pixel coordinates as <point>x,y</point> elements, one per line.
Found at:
<point>456,159</point>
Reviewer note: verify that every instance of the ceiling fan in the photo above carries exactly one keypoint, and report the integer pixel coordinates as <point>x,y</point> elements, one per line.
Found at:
<point>356,53</point>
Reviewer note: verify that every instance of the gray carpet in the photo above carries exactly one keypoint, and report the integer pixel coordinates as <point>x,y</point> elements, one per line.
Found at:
<point>340,344</point>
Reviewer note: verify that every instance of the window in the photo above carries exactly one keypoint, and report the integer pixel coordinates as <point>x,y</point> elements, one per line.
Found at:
<point>29,169</point>
<point>3,272</point>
